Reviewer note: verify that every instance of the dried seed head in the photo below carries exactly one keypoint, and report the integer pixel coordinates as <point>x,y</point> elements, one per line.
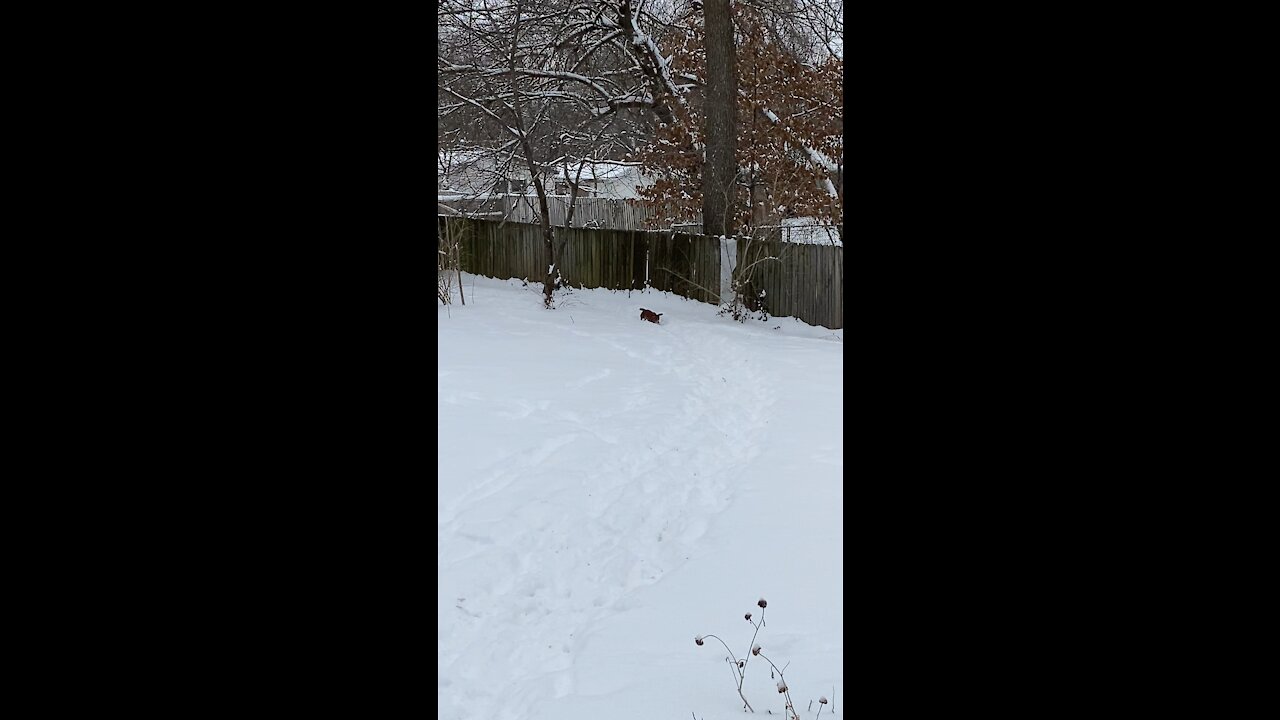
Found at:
<point>823,700</point>
<point>698,639</point>
<point>755,650</point>
<point>748,617</point>
<point>782,687</point>
<point>762,603</point>
<point>742,663</point>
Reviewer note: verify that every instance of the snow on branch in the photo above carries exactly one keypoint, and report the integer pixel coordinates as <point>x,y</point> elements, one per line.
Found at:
<point>817,156</point>
<point>528,72</point>
<point>596,46</point>
<point>659,67</point>
<point>486,111</point>
<point>564,75</point>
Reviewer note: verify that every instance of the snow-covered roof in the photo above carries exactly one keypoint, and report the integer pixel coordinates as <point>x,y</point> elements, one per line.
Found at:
<point>464,155</point>
<point>603,170</point>
<point>461,158</point>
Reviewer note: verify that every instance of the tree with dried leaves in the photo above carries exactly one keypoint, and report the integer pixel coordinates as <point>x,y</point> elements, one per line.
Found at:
<point>790,132</point>
<point>789,137</point>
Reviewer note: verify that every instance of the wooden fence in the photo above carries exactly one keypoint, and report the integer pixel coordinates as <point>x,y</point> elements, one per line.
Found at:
<point>599,258</point>
<point>586,257</point>
<point>587,212</point>
<point>687,265</point>
<point>805,281</point>
<point>498,250</point>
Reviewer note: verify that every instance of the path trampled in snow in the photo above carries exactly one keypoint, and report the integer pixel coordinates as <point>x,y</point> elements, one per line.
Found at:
<point>588,460</point>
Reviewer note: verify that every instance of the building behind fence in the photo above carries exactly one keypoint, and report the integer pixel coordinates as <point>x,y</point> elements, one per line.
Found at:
<point>805,281</point>
<point>587,211</point>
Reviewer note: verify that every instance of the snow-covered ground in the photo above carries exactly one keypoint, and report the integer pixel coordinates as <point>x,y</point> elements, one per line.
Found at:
<point>610,488</point>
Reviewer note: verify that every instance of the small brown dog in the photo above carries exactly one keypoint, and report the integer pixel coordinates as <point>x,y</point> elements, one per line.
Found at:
<point>649,315</point>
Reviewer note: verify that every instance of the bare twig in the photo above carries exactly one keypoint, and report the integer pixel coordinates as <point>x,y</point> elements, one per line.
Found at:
<point>738,669</point>
<point>783,687</point>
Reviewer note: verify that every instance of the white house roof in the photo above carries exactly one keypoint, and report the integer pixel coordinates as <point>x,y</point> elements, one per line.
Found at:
<point>609,170</point>
<point>601,169</point>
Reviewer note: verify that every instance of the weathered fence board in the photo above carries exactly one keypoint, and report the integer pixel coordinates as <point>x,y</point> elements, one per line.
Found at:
<point>587,212</point>
<point>804,281</point>
<point>493,250</point>
<point>586,257</point>
<point>688,265</point>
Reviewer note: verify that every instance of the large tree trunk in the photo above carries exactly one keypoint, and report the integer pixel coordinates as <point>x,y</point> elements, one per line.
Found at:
<point>548,237</point>
<point>719,213</point>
